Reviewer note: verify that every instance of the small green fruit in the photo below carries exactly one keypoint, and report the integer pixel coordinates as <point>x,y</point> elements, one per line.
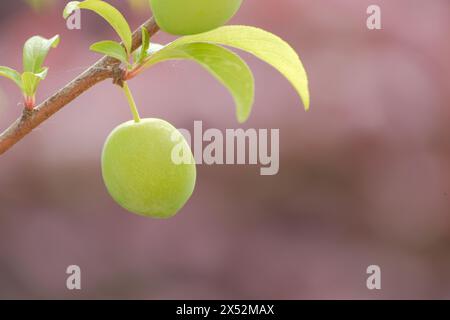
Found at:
<point>138,170</point>
<point>184,17</point>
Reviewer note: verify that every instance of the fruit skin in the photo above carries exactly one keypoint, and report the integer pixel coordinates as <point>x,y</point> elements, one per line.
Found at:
<point>138,170</point>
<point>185,17</point>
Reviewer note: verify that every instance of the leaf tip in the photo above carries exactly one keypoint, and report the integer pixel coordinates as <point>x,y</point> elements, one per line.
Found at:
<point>55,41</point>
<point>242,118</point>
<point>305,97</point>
<point>306,103</point>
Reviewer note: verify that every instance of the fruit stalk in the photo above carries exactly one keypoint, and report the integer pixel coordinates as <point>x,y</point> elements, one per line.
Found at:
<point>131,102</point>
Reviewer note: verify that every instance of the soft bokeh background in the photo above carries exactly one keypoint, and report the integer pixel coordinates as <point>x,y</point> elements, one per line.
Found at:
<point>364,176</point>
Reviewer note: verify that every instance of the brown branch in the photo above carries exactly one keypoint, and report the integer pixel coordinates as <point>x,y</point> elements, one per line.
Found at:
<point>105,68</point>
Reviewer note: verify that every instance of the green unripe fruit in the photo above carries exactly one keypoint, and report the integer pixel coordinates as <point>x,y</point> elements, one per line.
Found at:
<point>139,172</point>
<point>184,17</point>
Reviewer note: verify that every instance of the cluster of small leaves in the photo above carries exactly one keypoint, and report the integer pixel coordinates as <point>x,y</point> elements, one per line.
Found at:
<point>35,51</point>
<point>229,68</point>
<point>207,49</point>
<point>120,51</point>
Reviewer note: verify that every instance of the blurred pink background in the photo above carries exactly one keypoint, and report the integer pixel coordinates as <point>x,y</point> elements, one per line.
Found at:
<point>364,176</point>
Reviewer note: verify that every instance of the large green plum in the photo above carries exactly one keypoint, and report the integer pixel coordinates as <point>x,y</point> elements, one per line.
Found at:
<point>138,170</point>
<point>184,17</point>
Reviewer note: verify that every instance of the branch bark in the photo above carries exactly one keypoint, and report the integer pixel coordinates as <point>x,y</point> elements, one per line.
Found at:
<point>105,68</point>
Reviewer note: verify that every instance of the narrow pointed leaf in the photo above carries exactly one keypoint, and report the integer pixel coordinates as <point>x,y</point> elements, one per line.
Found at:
<point>35,51</point>
<point>224,65</point>
<point>264,45</point>
<point>110,48</point>
<point>145,44</point>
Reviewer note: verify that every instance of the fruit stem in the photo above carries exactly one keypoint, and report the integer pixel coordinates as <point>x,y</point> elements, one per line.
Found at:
<point>130,98</point>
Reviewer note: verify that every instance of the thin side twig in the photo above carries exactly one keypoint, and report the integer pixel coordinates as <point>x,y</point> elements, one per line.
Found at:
<point>105,68</point>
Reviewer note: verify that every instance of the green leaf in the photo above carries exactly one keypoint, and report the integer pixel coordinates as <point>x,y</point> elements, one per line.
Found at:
<point>107,12</point>
<point>264,45</point>
<point>31,81</point>
<point>223,64</point>
<point>141,53</point>
<point>12,75</point>
<point>35,51</point>
<point>145,44</point>
<point>112,49</point>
